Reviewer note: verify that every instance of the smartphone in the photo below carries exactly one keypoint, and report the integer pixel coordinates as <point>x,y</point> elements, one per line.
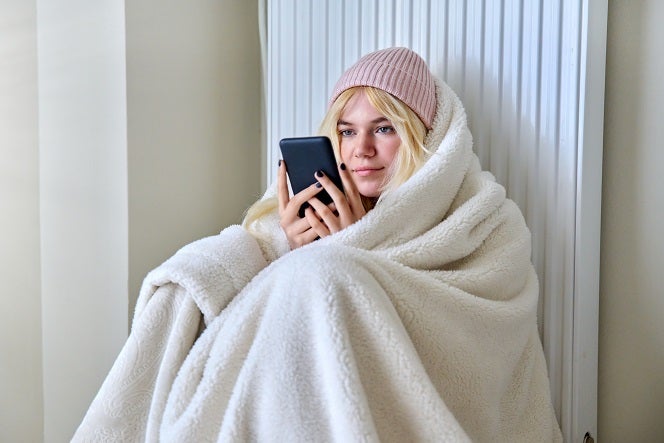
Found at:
<point>304,156</point>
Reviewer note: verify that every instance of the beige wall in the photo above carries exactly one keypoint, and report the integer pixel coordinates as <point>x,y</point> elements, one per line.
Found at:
<point>83,202</point>
<point>194,132</point>
<point>109,161</point>
<point>631,336</point>
<point>20,306</point>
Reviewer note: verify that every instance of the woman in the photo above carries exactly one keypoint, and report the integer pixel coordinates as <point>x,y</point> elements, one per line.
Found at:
<point>411,319</point>
<point>366,125</point>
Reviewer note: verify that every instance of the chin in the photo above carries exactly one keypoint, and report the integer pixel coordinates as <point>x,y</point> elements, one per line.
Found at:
<point>369,188</point>
<point>370,193</point>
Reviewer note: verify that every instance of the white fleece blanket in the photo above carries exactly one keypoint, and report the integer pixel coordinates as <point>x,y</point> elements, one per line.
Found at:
<point>417,323</point>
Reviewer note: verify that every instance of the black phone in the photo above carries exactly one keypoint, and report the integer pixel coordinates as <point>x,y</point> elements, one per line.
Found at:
<point>306,155</point>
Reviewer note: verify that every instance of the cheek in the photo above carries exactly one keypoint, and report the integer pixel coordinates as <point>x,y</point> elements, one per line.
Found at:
<point>345,151</point>
<point>390,151</point>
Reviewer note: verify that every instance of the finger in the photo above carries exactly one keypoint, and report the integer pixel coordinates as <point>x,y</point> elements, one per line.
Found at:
<point>295,226</point>
<point>282,187</point>
<point>302,197</point>
<point>316,225</point>
<point>297,230</point>
<point>329,218</point>
<point>338,197</point>
<point>331,188</point>
<point>307,236</point>
<point>352,194</point>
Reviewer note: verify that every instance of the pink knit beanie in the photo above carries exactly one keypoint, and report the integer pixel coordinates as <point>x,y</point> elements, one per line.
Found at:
<point>399,71</point>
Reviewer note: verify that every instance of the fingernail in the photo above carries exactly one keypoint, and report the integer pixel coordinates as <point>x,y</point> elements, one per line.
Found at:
<point>343,166</point>
<point>318,185</point>
<point>279,164</point>
<point>319,173</point>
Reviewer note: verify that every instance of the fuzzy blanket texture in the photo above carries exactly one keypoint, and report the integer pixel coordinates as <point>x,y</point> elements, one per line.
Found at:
<point>416,323</point>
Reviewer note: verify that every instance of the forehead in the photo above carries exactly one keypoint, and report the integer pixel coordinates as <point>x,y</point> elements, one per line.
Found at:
<point>359,109</point>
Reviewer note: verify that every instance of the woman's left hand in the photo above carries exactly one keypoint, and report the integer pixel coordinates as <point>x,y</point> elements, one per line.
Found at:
<point>347,208</point>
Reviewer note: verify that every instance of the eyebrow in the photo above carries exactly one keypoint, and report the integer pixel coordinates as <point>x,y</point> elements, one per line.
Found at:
<point>374,121</point>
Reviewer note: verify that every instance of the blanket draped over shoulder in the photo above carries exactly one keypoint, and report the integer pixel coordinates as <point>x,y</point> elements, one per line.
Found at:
<point>416,323</point>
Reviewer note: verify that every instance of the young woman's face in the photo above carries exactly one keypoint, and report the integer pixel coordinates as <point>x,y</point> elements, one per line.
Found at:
<point>368,144</point>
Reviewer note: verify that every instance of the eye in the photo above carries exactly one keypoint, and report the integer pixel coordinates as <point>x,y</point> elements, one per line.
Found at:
<point>385,130</point>
<point>345,132</point>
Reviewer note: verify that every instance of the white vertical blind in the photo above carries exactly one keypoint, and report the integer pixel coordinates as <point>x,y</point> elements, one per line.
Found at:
<point>521,68</point>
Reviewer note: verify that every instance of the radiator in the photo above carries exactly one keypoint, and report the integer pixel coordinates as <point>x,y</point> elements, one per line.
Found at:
<point>531,75</point>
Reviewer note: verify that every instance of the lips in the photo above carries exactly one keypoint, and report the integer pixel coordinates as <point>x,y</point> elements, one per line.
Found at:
<point>364,171</point>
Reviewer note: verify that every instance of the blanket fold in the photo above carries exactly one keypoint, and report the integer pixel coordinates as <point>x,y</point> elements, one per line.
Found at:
<point>176,301</point>
<point>212,270</point>
<point>416,323</point>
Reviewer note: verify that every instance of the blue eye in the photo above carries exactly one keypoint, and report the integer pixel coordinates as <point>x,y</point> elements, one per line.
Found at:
<point>346,132</point>
<point>385,129</point>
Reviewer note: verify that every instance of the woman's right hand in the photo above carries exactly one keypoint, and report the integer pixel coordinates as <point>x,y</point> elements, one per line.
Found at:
<point>298,230</point>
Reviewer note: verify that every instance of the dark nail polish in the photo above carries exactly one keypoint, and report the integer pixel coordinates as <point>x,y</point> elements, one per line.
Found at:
<point>279,164</point>
<point>319,173</point>
<point>318,185</point>
<point>343,166</point>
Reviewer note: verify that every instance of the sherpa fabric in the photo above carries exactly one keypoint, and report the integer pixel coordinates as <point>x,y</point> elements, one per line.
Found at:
<point>416,323</point>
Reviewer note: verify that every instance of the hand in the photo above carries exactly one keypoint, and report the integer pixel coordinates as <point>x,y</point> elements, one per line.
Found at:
<point>298,230</point>
<point>345,210</point>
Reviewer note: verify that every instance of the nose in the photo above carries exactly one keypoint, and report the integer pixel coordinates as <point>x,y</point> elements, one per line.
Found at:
<point>365,146</point>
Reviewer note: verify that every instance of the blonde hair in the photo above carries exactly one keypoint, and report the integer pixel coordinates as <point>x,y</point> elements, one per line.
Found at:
<point>411,154</point>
